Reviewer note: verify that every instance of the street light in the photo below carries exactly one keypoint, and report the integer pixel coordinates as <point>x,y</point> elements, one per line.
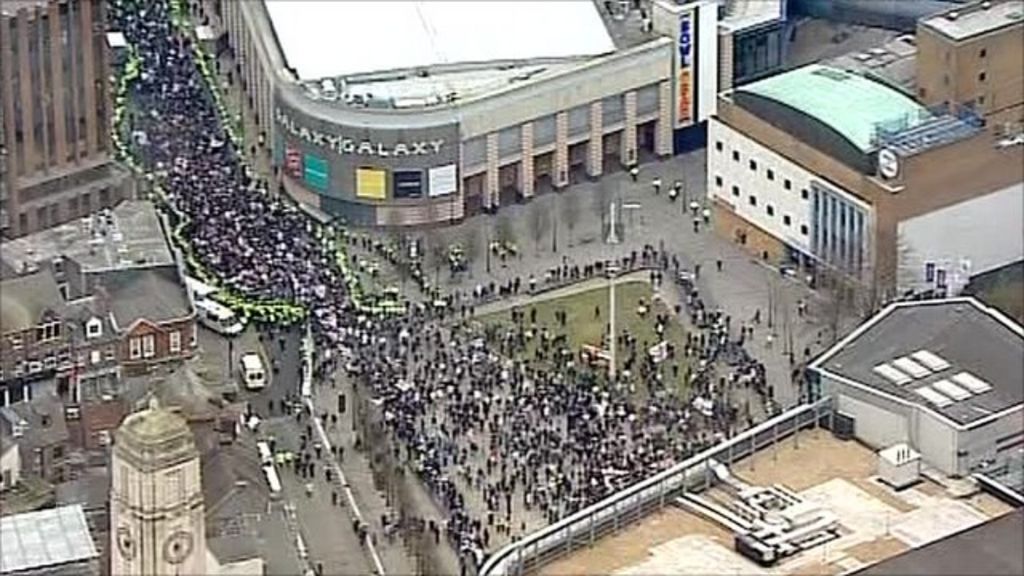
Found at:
<point>612,272</point>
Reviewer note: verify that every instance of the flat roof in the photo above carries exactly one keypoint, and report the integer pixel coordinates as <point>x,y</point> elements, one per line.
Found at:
<point>746,14</point>
<point>964,22</point>
<point>893,63</point>
<point>128,235</point>
<point>991,548</point>
<point>847,102</point>
<point>968,335</point>
<point>840,476</point>
<point>45,538</point>
<point>331,39</point>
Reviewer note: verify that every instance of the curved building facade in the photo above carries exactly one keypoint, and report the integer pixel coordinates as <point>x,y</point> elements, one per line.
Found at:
<point>435,143</point>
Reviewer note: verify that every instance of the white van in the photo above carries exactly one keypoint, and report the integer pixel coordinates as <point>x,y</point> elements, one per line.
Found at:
<point>219,318</point>
<point>254,377</point>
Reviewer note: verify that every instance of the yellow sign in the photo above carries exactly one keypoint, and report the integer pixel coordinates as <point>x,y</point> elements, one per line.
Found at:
<point>371,183</point>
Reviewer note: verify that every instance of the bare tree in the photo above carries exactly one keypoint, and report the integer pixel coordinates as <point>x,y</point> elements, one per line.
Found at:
<point>470,239</point>
<point>570,212</point>
<point>539,223</point>
<point>504,230</point>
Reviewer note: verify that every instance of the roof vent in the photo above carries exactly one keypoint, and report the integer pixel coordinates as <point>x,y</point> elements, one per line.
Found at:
<point>952,15</point>
<point>986,5</point>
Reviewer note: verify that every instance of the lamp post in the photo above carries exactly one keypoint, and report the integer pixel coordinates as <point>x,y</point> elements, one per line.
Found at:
<point>613,272</point>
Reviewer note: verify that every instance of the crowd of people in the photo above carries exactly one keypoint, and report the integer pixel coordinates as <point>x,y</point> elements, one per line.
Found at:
<point>505,441</point>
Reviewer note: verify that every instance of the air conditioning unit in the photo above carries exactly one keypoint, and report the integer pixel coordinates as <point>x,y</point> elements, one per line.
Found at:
<point>899,466</point>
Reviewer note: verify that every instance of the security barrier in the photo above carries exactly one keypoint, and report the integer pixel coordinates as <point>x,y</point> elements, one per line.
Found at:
<point>585,527</point>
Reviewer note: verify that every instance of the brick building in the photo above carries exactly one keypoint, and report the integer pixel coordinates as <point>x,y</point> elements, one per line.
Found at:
<point>837,169</point>
<point>56,102</point>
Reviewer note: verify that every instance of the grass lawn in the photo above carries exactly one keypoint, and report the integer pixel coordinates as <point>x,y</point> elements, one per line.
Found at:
<point>583,327</point>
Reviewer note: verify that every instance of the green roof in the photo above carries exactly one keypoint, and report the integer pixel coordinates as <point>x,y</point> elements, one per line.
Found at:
<point>848,103</point>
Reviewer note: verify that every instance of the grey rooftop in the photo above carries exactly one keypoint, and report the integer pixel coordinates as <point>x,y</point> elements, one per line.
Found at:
<point>968,335</point>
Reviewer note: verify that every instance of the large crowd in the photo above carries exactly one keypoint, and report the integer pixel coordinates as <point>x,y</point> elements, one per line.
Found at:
<point>506,441</point>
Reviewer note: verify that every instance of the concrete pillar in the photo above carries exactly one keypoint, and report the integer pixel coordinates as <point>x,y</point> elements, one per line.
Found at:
<point>561,175</point>
<point>595,147</point>
<point>57,80</point>
<point>7,397</point>
<point>628,155</point>
<point>725,61</point>
<point>85,32</point>
<point>526,178</point>
<point>663,131</point>
<point>27,107</point>
<point>491,181</point>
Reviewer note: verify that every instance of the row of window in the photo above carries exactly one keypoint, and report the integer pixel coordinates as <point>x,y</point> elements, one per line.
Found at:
<point>787,220</point>
<point>752,163</point>
<point>145,346</point>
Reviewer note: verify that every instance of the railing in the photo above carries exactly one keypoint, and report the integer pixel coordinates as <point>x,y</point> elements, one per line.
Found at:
<point>583,528</point>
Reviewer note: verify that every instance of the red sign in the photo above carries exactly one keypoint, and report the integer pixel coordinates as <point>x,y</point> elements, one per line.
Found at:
<point>293,163</point>
<point>685,95</point>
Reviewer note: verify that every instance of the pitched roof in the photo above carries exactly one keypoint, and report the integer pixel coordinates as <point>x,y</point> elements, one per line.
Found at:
<point>153,294</point>
<point>25,300</point>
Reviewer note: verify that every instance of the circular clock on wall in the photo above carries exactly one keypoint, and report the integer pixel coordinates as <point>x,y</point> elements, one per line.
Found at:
<point>125,543</point>
<point>888,163</point>
<point>177,547</point>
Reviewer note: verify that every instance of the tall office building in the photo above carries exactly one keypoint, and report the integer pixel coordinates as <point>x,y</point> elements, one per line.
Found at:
<point>56,157</point>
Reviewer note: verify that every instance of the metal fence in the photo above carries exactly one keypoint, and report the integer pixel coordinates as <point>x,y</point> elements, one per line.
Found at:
<point>583,528</point>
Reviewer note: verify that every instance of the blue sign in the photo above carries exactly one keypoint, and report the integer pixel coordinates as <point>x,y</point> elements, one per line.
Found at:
<point>685,42</point>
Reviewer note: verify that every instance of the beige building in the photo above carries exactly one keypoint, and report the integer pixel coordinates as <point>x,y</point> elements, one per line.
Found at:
<point>56,108</point>
<point>157,520</point>
<point>974,55</point>
<point>402,125</point>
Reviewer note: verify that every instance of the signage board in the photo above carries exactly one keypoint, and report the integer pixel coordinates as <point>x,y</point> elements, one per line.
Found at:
<point>351,145</point>
<point>684,52</point>
<point>407,183</point>
<point>442,180</point>
<point>371,184</point>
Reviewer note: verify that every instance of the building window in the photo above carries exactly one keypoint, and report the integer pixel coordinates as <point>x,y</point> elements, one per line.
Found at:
<point>786,220</point>
<point>148,346</point>
<point>982,53</point>
<point>771,174</point>
<point>174,342</point>
<point>135,348</point>
<point>803,229</point>
<point>718,181</point>
<point>736,191</point>
<point>718,146</point>
<point>981,100</point>
<point>736,155</point>
<point>47,332</point>
<point>787,184</point>
<point>753,165</point>
<point>770,209</point>
<point>95,357</point>
<point>110,353</point>
<point>804,194</point>
<point>752,200</point>
<point>93,328</point>
<point>981,76</point>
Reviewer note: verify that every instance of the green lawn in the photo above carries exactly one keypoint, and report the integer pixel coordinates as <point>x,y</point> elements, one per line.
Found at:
<point>584,327</point>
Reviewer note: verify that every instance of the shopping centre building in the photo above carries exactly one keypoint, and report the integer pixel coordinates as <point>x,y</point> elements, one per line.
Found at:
<point>407,113</point>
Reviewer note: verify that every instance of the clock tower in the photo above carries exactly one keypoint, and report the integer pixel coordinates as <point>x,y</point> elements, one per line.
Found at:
<point>157,521</point>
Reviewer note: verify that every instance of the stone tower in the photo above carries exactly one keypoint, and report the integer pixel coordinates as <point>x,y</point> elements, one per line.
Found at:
<point>157,522</point>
